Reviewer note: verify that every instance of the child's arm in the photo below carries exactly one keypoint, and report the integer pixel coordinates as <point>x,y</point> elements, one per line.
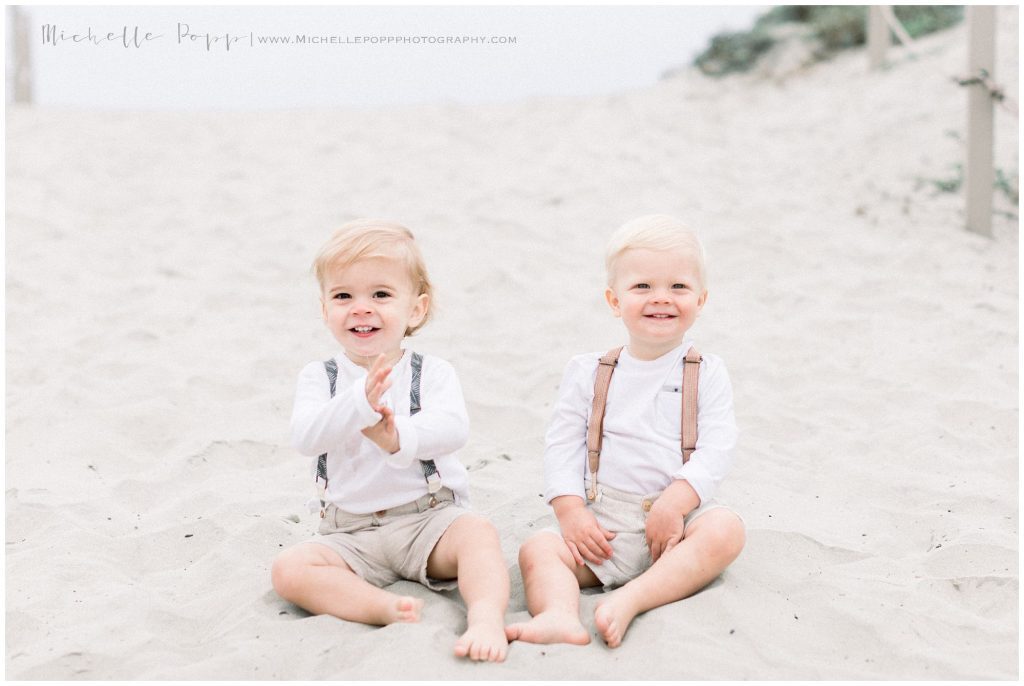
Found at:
<point>697,480</point>
<point>319,422</point>
<point>716,431</point>
<point>440,428</point>
<point>565,443</point>
<point>565,453</point>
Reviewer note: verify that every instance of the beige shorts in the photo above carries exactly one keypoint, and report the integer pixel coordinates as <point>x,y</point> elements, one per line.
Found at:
<point>625,514</point>
<point>384,547</point>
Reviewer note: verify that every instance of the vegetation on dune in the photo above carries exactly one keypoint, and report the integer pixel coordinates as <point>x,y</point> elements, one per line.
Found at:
<point>1006,182</point>
<point>831,27</point>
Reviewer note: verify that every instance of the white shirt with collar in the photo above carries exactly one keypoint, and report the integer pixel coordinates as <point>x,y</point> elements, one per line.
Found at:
<point>641,451</point>
<point>362,477</point>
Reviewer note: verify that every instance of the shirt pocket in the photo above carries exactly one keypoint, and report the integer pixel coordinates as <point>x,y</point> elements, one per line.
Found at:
<point>669,410</point>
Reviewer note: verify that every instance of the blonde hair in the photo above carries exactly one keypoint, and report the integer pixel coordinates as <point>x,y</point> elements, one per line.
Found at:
<point>365,238</point>
<point>655,232</point>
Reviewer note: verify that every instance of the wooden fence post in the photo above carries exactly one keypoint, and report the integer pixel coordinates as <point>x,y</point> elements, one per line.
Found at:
<point>879,37</point>
<point>22,76</point>
<point>980,175</point>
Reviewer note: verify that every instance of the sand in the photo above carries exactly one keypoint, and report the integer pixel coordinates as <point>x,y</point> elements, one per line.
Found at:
<point>159,307</point>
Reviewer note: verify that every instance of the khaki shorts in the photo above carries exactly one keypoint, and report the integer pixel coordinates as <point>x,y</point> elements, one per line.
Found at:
<point>625,514</point>
<point>384,547</point>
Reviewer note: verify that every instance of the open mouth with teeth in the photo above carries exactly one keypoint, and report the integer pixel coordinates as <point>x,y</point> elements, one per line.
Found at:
<point>660,316</point>
<point>364,331</point>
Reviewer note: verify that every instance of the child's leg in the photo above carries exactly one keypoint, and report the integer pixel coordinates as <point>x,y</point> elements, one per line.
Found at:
<point>552,581</point>
<point>470,551</point>
<point>315,578</point>
<point>712,541</point>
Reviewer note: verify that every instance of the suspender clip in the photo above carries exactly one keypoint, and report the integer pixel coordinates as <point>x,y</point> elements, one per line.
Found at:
<point>434,483</point>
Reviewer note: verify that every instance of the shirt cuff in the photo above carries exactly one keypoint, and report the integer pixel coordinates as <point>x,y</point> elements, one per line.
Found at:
<point>565,486</point>
<point>365,415</point>
<point>408,444</point>
<point>699,480</point>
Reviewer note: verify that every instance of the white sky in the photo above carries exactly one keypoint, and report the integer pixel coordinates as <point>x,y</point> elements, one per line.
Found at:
<point>568,50</point>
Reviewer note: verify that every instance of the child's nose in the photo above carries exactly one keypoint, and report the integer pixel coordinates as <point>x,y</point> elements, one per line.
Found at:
<point>660,296</point>
<point>362,305</point>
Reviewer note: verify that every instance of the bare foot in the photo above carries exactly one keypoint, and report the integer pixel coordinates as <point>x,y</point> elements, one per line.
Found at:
<point>612,617</point>
<point>405,609</point>
<point>549,627</point>
<point>483,640</point>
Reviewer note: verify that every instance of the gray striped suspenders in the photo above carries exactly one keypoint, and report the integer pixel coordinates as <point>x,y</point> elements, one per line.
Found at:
<point>430,473</point>
<point>321,464</point>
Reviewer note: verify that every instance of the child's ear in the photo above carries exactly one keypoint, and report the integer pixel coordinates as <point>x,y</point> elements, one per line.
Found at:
<point>419,310</point>
<point>613,301</point>
<point>701,300</point>
<point>323,309</point>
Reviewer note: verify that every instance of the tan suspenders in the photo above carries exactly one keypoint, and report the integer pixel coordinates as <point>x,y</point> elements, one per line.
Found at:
<point>595,429</point>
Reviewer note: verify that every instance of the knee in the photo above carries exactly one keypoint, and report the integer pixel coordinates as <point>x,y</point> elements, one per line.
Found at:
<point>471,536</point>
<point>285,573</point>
<point>480,530</point>
<point>536,548</point>
<point>729,535</point>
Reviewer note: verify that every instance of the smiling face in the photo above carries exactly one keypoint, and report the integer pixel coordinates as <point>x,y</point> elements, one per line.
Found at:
<point>369,305</point>
<point>658,294</point>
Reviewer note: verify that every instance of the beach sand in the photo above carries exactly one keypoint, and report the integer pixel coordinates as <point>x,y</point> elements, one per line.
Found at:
<point>160,306</point>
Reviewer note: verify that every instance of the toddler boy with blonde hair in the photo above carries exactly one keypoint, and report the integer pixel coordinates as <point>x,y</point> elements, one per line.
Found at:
<point>382,425</point>
<point>649,528</point>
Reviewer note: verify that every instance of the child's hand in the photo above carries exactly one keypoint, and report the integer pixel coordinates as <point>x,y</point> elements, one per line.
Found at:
<point>665,521</point>
<point>664,529</point>
<point>377,382</point>
<point>585,538</point>
<point>384,433</point>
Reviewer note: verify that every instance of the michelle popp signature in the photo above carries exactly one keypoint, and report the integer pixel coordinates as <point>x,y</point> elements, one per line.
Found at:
<point>136,37</point>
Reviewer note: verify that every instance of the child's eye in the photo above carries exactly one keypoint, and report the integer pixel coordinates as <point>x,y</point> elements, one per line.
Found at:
<point>679,285</point>
<point>381,294</point>
<point>342,296</point>
<point>642,285</point>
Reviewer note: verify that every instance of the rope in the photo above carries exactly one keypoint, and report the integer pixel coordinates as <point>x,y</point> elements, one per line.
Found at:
<point>994,90</point>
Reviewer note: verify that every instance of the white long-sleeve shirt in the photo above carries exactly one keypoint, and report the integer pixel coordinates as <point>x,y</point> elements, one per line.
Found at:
<point>641,451</point>
<point>362,477</point>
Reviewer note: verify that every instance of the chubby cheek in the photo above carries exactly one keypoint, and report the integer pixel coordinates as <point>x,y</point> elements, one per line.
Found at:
<point>334,317</point>
<point>628,308</point>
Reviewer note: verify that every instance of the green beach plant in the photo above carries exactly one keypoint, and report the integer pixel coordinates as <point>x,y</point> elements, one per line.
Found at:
<point>1006,182</point>
<point>1009,184</point>
<point>835,28</point>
